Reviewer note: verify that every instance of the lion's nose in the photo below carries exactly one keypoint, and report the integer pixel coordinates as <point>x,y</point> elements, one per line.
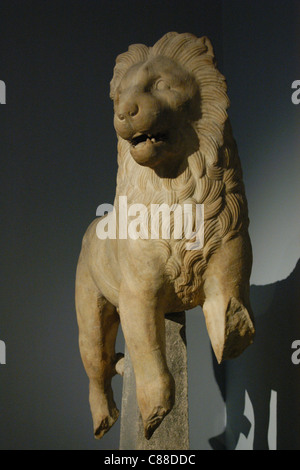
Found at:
<point>136,111</point>
<point>128,110</point>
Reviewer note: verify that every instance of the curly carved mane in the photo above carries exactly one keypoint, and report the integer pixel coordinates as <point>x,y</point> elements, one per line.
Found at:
<point>211,176</point>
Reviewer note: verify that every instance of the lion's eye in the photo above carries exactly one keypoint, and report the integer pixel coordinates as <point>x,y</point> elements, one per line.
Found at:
<point>162,85</point>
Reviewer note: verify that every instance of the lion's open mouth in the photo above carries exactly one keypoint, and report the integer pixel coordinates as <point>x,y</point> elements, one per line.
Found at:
<point>147,138</point>
<point>150,149</point>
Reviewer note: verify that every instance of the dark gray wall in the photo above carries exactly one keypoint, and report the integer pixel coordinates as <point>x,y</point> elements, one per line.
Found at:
<point>261,46</point>
<point>58,163</point>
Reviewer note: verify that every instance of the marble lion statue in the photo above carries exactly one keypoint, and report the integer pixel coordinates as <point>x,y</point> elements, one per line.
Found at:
<point>175,147</point>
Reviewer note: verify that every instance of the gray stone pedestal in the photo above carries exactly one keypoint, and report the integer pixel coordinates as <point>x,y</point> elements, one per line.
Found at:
<point>173,433</point>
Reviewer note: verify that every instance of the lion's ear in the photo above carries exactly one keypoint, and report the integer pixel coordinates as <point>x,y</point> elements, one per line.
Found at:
<point>112,89</point>
<point>136,53</point>
<point>207,43</point>
<point>115,81</point>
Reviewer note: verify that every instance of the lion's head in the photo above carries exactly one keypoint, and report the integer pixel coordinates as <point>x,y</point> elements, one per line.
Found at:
<point>154,103</point>
<point>175,143</point>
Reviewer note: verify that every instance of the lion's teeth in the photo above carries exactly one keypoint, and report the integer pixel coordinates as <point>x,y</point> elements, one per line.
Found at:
<point>153,140</point>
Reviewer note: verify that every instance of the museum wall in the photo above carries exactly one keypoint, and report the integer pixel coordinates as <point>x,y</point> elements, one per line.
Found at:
<point>58,162</point>
<point>261,45</point>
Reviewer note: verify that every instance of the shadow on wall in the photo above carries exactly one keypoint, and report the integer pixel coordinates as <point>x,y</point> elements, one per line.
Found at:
<point>265,369</point>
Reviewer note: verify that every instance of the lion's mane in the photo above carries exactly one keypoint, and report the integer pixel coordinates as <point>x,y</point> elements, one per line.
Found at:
<point>213,175</point>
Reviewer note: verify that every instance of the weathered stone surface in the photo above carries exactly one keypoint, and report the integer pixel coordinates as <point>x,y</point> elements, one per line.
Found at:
<point>173,433</point>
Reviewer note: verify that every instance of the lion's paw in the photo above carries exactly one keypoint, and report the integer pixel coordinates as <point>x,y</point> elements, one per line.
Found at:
<point>105,423</point>
<point>104,410</point>
<point>154,420</point>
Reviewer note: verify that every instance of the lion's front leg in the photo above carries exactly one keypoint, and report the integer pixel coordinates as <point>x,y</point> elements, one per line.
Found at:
<point>143,325</point>
<point>227,307</point>
<point>98,323</point>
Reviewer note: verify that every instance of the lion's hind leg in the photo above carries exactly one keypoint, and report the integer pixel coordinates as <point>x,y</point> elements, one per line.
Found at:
<point>98,323</point>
